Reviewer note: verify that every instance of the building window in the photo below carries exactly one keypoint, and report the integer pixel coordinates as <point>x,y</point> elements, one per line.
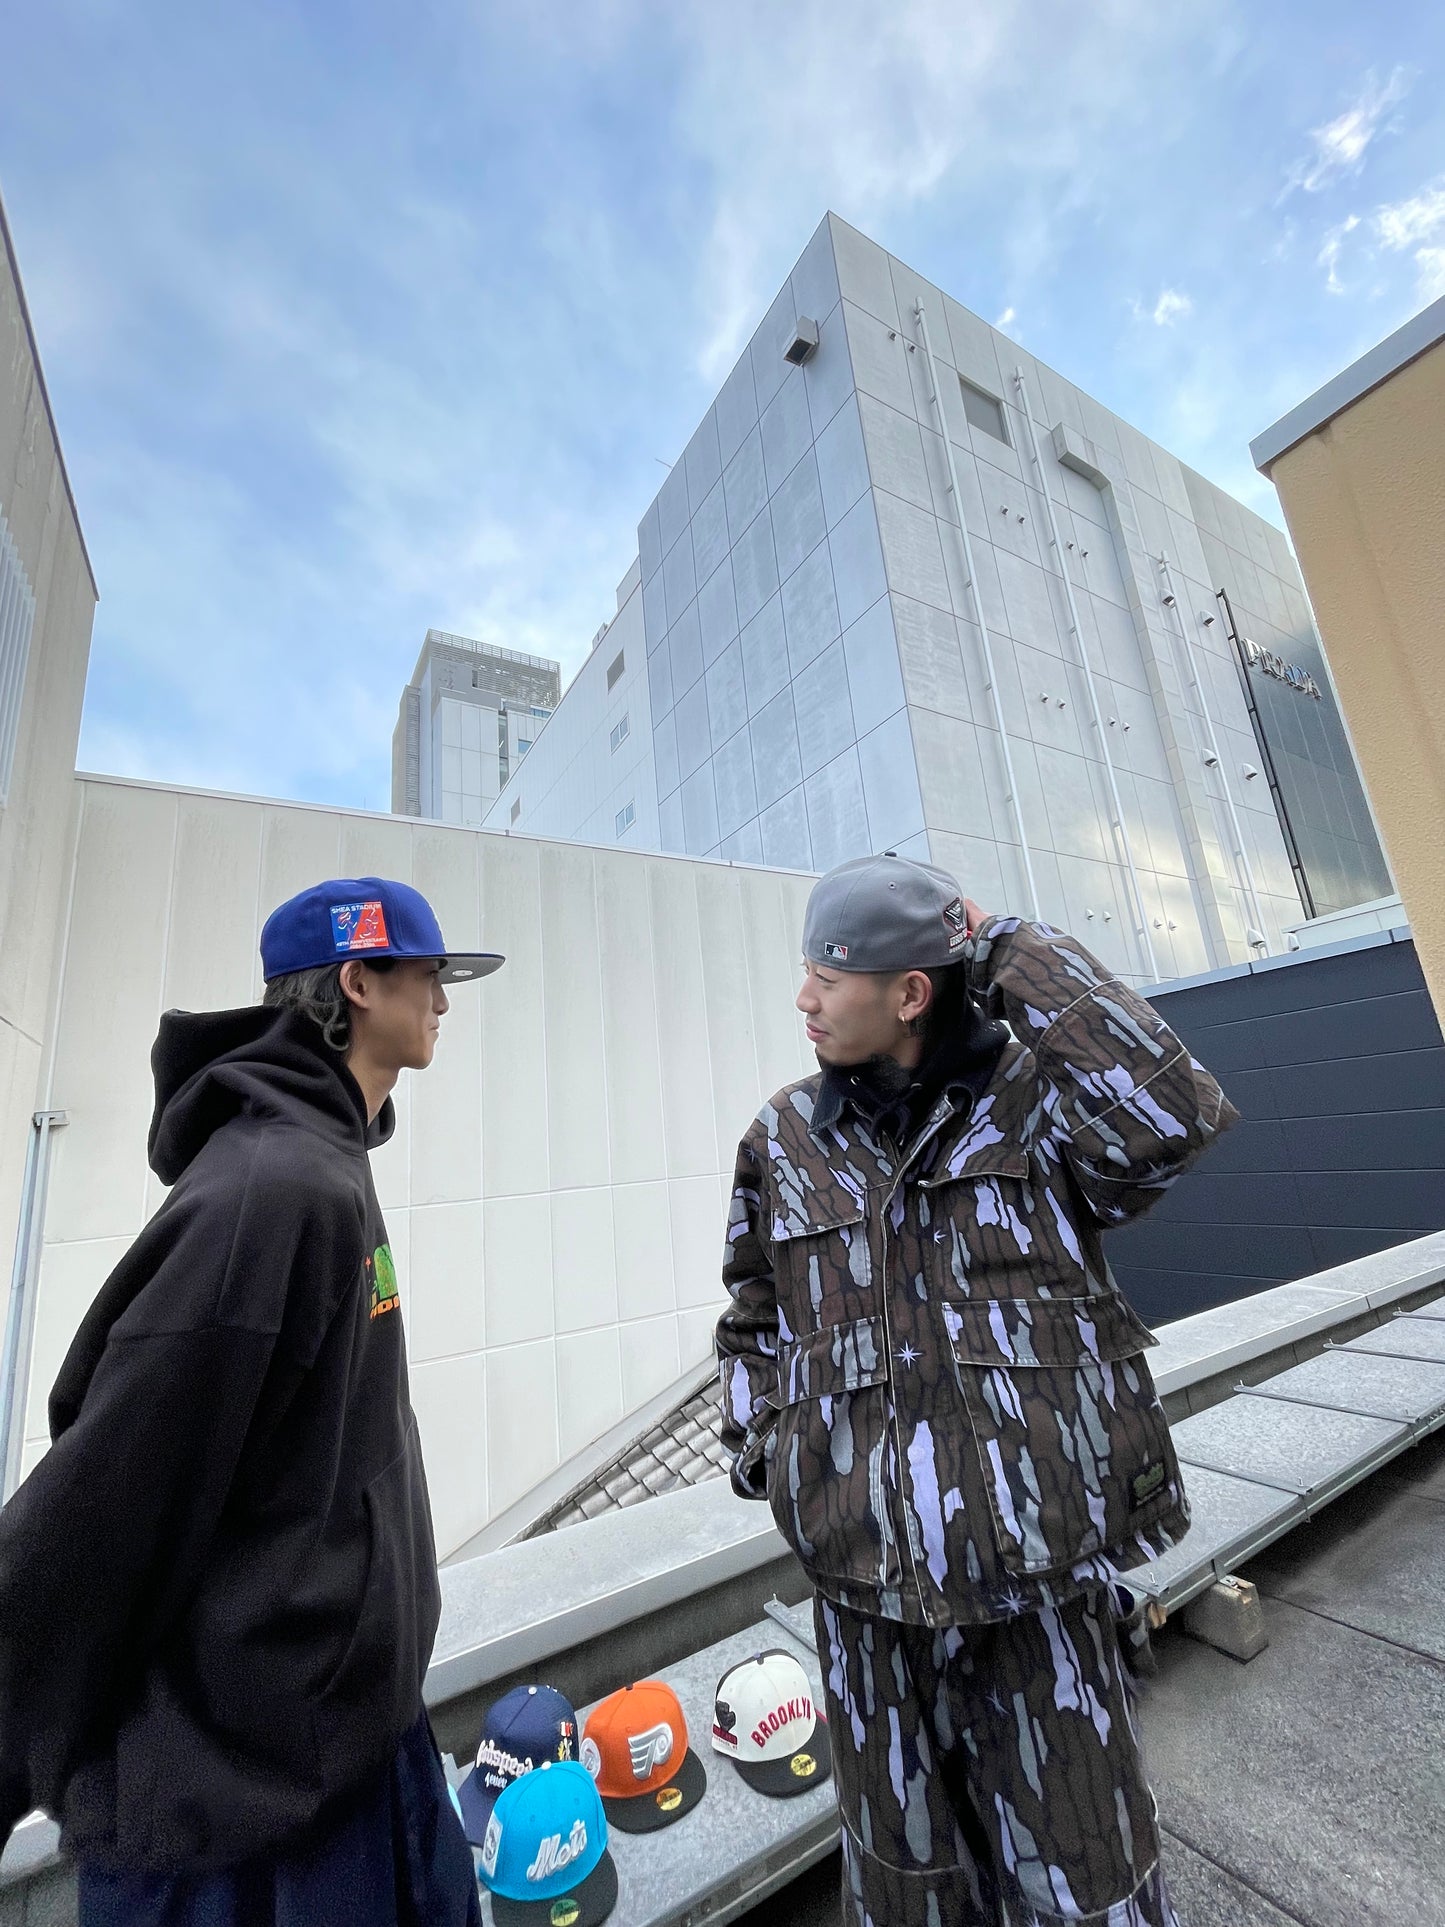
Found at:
<point>984,411</point>
<point>616,669</point>
<point>17,619</point>
<point>523,745</point>
<point>620,733</point>
<point>516,809</point>
<point>626,817</point>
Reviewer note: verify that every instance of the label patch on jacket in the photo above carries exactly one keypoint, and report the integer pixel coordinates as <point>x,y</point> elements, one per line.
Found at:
<point>359,926</point>
<point>1147,1484</point>
<point>381,1275</point>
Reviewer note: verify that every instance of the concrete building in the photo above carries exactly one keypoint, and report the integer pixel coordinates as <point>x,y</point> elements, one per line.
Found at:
<point>1360,469</point>
<point>467,718</point>
<point>47,607</point>
<point>1053,698</point>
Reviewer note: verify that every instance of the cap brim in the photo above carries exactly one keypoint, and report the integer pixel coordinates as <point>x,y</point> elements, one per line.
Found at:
<point>477,963</point>
<point>594,1899</point>
<point>650,1812</point>
<point>796,1772</point>
<point>476,1802</point>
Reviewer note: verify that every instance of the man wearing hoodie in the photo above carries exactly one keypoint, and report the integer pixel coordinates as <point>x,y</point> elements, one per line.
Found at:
<point>928,1370</point>
<point>218,1589</point>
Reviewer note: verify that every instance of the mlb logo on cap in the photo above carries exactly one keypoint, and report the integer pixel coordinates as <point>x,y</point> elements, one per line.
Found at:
<point>525,1727</point>
<point>544,1858</point>
<point>765,1721</point>
<point>635,1746</point>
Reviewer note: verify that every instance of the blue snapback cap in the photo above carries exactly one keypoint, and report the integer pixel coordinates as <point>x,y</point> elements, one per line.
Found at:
<point>545,1859</point>
<point>361,918</point>
<point>525,1727</point>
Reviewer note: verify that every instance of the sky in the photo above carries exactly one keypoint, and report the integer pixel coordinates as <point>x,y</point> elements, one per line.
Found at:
<point>360,319</point>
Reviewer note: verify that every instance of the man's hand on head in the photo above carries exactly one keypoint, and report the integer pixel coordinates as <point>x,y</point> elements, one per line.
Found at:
<point>974,914</point>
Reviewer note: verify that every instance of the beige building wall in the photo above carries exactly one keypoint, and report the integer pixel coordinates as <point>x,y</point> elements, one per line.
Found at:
<point>555,1192</point>
<point>45,560</point>
<point>1363,490</point>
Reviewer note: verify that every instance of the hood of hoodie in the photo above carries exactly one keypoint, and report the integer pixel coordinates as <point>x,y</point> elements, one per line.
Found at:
<point>210,1066</point>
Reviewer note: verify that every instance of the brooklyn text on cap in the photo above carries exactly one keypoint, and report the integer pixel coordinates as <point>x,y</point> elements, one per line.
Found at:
<point>765,1721</point>
<point>544,1858</point>
<point>361,918</point>
<point>882,913</point>
<point>635,1746</point>
<point>525,1727</point>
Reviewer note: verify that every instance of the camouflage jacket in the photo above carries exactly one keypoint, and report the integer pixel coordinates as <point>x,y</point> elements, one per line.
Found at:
<point>924,1363</point>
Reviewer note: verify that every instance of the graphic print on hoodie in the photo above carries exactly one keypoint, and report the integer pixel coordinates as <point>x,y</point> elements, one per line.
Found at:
<point>218,1589</point>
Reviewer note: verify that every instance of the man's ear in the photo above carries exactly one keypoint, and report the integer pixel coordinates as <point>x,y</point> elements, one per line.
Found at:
<point>354,985</point>
<point>918,995</point>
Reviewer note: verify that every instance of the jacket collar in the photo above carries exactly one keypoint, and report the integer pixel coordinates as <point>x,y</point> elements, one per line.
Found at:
<point>992,1126</point>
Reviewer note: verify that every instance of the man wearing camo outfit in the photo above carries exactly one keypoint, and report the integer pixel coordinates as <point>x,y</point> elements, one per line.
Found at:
<point>927,1370</point>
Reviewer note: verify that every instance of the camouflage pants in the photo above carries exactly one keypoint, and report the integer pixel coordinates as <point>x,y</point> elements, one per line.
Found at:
<point>989,1776</point>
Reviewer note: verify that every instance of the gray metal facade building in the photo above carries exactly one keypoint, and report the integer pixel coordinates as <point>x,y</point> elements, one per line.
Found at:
<point>467,717</point>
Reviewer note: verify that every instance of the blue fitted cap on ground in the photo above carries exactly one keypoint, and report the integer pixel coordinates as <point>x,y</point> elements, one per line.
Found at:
<point>544,1859</point>
<point>362,918</point>
<point>525,1727</point>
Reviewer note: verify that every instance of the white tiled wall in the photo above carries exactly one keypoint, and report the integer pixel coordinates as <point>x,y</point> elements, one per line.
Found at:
<point>555,1193</point>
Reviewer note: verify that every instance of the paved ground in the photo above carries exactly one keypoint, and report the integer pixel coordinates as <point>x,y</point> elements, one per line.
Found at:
<point>1307,1788</point>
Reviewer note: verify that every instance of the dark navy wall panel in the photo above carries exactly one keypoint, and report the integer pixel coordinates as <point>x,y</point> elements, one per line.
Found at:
<point>1337,1067</point>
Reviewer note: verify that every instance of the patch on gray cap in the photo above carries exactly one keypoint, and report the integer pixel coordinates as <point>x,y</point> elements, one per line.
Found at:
<point>885,913</point>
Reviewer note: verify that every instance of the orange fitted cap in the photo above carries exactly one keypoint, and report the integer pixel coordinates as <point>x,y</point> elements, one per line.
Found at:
<point>635,1747</point>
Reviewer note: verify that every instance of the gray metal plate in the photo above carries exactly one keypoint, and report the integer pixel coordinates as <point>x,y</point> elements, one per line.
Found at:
<point>1293,1447</point>
<point>1403,1338</point>
<point>1348,1381</point>
<point>736,1846</point>
<point>1233,1518</point>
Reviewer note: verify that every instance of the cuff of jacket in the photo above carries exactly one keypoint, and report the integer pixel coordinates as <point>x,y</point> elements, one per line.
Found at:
<point>749,1471</point>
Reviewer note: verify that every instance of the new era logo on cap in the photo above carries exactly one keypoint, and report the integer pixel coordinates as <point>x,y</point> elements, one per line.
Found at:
<point>526,1727</point>
<point>765,1720</point>
<point>635,1746</point>
<point>544,1855</point>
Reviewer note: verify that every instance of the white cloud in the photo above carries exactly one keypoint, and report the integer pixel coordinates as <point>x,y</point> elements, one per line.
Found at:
<point>1007,323</point>
<point>1403,223</point>
<point>1431,263</point>
<point>1329,254</point>
<point>1171,306</point>
<point>1338,148</point>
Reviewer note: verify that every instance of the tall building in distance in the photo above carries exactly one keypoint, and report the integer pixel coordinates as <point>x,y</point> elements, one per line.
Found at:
<point>468,716</point>
<point>1097,697</point>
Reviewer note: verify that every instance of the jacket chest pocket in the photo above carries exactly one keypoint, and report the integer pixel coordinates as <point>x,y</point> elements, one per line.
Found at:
<point>821,1262</point>
<point>829,1473</point>
<point>1076,1451</point>
<point>1004,1233</point>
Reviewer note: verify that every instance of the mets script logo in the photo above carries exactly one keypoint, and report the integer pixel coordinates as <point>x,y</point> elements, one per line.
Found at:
<point>359,926</point>
<point>650,1750</point>
<point>554,1853</point>
<point>381,1275</point>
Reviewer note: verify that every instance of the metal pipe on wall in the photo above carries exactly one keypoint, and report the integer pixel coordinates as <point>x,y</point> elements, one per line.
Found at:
<point>20,1317</point>
<point>1076,631</point>
<point>1241,856</point>
<point>971,584</point>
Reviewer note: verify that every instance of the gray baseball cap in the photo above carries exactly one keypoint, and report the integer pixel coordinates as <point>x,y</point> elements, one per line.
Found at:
<point>886,912</point>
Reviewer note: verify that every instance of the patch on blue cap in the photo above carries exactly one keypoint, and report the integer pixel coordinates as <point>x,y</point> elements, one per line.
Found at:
<point>359,926</point>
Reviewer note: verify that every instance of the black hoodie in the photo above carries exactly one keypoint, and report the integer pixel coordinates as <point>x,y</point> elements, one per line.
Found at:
<point>218,1589</point>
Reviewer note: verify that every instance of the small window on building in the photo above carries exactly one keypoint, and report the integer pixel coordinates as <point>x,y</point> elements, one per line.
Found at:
<point>626,817</point>
<point>17,620</point>
<point>984,410</point>
<point>524,743</point>
<point>516,809</point>
<point>616,669</point>
<point>620,733</point>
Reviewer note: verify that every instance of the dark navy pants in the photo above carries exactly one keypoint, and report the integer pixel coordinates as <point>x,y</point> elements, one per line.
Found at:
<point>396,1858</point>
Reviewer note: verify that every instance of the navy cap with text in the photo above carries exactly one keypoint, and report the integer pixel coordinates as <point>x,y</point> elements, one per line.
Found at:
<point>881,913</point>
<point>362,918</point>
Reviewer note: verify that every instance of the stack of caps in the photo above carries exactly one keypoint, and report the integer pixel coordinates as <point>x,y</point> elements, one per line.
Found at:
<point>635,1747</point>
<point>537,1817</point>
<point>765,1722</point>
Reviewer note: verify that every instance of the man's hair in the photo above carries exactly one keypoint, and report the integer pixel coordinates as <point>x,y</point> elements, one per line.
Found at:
<point>317,994</point>
<point>950,1000</point>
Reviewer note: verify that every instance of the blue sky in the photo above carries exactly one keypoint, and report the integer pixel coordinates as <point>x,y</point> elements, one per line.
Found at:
<point>361,318</point>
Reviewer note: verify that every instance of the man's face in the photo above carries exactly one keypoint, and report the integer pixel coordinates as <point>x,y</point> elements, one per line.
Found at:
<point>403,1014</point>
<point>853,1015</point>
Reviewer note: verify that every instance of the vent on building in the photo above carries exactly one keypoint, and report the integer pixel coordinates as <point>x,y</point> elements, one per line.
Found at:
<point>17,619</point>
<point>615,668</point>
<point>620,732</point>
<point>626,817</point>
<point>516,809</point>
<point>804,341</point>
<point>983,410</point>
